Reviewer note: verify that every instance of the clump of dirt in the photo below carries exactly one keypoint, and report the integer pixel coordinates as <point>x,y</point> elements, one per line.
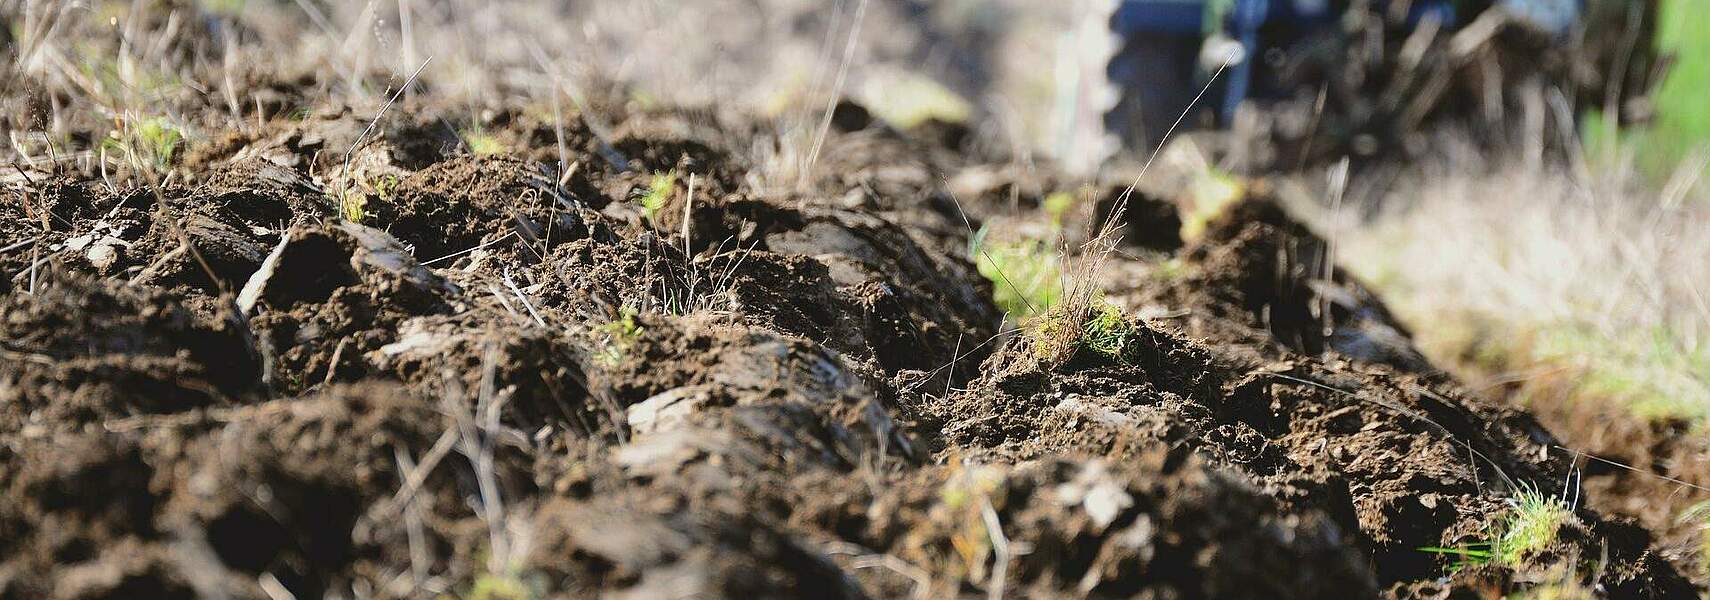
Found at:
<point>81,350</point>
<point>327,295</point>
<point>1161,521</point>
<point>1263,279</point>
<point>466,202</point>
<point>307,493</point>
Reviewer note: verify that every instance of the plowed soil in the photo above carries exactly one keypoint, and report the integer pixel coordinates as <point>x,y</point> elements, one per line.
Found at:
<point>313,363</point>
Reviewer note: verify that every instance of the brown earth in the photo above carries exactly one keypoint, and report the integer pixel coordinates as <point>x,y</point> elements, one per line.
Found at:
<point>298,359</point>
<point>246,392</point>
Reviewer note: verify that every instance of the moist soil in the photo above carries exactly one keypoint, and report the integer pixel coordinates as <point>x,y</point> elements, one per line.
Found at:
<point>503,380</point>
<point>655,362</point>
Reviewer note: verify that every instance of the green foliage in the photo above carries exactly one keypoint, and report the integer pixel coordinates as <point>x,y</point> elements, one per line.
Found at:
<point>481,143</point>
<point>1057,205</point>
<point>658,192</point>
<point>122,80</point>
<point>1530,525</point>
<point>1169,270</point>
<point>620,333</point>
<point>386,186</point>
<point>1026,276</point>
<point>1104,331</point>
<point>353,206</point>
<point>1654,373</point>
<point>354,203</point>
<point>151,141</point>
<point>1109,333</point>
<point>507,586</point>
<point>1682,121</point>
<point>1466,555</point>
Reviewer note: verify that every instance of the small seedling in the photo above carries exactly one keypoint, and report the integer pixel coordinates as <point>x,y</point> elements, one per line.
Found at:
<point>151,140</point>
<point>621,333</point>
<point>1026,276</point>
<point>386,186</point>
<point>1210,193</point>
<point>353,206</point>
<point>658,191</point>
<point>507,586</point>
<point>1466,555</point>
<point>1108,333</point>
<point>1532,525</point>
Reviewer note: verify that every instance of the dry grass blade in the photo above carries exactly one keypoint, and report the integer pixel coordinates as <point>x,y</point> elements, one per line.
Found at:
<point>1080,285</point>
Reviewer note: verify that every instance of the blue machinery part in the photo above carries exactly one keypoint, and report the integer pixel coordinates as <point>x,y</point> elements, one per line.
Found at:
<point>1243,20</point>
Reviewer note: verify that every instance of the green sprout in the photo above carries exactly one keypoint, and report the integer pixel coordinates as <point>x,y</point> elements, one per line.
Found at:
<point>149,140</point>
<point>386,186</point>
<point>621,333</point>
<point>658,191</point>
<point>1108,333</point>
<point>506,586</point>
<point>355,203</point>
<point>353,206</point>
<point>1026,276</point>
<point>1530,526</point>
<point>1466,555</point>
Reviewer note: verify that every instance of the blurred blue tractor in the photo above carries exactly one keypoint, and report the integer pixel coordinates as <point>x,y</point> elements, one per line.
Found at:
<point>1348,61</point>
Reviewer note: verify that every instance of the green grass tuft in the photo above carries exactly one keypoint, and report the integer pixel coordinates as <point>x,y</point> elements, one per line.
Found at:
<point>1105,331</point>
<point>353,206</point>
<point>1058,205</point>
<point>1657,375</point>
<point>1682,121</point>
<point>1532,523</point>
<point>1109,334</point>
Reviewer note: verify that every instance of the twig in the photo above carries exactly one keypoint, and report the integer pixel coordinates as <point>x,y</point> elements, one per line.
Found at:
<point>1338,188</point>
<point>836,91</point>
<point>526,304</point>
<point>19,244</point>
<point>354,144</point>
<point>463,252</point>
<point>687,206</point>
<point>1001,549</point>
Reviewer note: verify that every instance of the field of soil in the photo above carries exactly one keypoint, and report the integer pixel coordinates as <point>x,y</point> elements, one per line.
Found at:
<point>343,351</point>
